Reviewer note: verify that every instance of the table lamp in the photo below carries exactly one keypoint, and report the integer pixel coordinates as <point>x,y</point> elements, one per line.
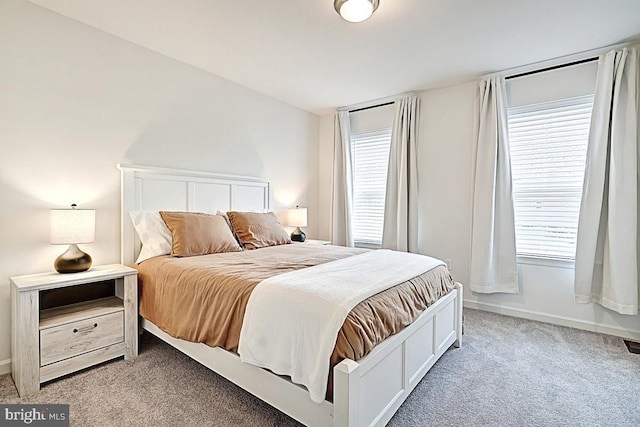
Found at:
<point>70,227</point>
<point>297,218</point>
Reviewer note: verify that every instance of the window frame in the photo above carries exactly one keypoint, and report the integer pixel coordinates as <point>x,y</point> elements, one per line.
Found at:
<point>374,136</point>
<point>550,259</point>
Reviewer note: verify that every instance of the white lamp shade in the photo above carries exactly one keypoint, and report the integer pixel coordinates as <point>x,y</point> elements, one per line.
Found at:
<point>70,226</point>
<point>297,217</point>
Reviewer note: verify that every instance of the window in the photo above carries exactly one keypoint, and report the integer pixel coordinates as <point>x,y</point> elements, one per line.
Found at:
<point>370,157</point>
<point>548,143</point>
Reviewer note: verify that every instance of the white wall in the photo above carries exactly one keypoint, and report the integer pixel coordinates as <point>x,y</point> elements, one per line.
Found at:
<point>566,82</point>
<point>445,161</point>
<point>75,101</point>
<point>372,119</point>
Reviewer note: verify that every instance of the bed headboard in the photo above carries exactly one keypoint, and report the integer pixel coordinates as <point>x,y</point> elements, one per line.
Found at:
<point>145,188</point>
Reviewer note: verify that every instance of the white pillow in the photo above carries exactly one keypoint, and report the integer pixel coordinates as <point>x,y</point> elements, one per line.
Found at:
<point>153,233</point>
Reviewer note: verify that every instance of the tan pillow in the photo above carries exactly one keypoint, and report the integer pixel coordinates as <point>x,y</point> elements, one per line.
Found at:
<point>258,230</point>
<point>199,234</point>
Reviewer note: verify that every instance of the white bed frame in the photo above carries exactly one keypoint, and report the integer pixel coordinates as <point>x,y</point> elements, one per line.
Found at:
<point>366,392</point>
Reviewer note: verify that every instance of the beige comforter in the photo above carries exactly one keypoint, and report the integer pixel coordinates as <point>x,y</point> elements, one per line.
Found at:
<point>203,298</point>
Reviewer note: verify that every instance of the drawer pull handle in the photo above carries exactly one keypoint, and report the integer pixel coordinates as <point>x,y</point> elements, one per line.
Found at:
<point>86,328</point>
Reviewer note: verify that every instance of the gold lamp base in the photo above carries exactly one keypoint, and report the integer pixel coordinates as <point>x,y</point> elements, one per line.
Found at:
<point>72,261</point>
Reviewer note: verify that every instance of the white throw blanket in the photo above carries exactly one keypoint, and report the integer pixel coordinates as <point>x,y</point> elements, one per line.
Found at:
<point>292,320</point>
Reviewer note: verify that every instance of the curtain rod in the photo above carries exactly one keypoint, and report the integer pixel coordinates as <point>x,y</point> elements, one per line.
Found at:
<point>555,67</point>
<point>370,107</point>
<point>560,60</point>
<point>375,102</point>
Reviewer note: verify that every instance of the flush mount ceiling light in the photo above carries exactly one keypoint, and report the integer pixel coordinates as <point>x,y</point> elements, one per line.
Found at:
<point>355,10</point>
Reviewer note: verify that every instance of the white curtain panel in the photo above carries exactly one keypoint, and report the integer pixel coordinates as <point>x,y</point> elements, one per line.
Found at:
<point>342,194</point>
<point>493,240</point>
<point>400,230</point>
<point>606,267</point>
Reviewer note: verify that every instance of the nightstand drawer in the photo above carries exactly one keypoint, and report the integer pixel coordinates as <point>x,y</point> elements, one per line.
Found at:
<point>71,339</point>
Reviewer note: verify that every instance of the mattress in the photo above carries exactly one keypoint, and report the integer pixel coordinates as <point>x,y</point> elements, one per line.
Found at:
<point>203,298</point>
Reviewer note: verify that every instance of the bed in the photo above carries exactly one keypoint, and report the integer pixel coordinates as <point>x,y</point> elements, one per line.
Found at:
<point>364,392</point>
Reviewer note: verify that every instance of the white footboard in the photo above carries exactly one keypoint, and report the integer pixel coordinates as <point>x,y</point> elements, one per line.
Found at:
<point>367,392</point>
<point>370,391</point>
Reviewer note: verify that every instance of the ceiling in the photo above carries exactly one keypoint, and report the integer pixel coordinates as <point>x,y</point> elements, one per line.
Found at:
<point>301,52</point>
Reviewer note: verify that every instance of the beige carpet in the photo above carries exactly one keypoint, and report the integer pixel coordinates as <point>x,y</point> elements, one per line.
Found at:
<point>510,372</point>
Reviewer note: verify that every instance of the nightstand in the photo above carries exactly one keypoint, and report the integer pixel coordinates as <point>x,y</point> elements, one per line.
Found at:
<point>316,242</point>
<point>74,329</point>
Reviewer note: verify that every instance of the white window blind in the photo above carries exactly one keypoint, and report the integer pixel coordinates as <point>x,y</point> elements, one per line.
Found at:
<point>548,144</point>
<point>370,156</point>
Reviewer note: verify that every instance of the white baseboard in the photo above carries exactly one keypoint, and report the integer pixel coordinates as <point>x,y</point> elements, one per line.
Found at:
<point>556,320</point>
<point>5,366</point>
